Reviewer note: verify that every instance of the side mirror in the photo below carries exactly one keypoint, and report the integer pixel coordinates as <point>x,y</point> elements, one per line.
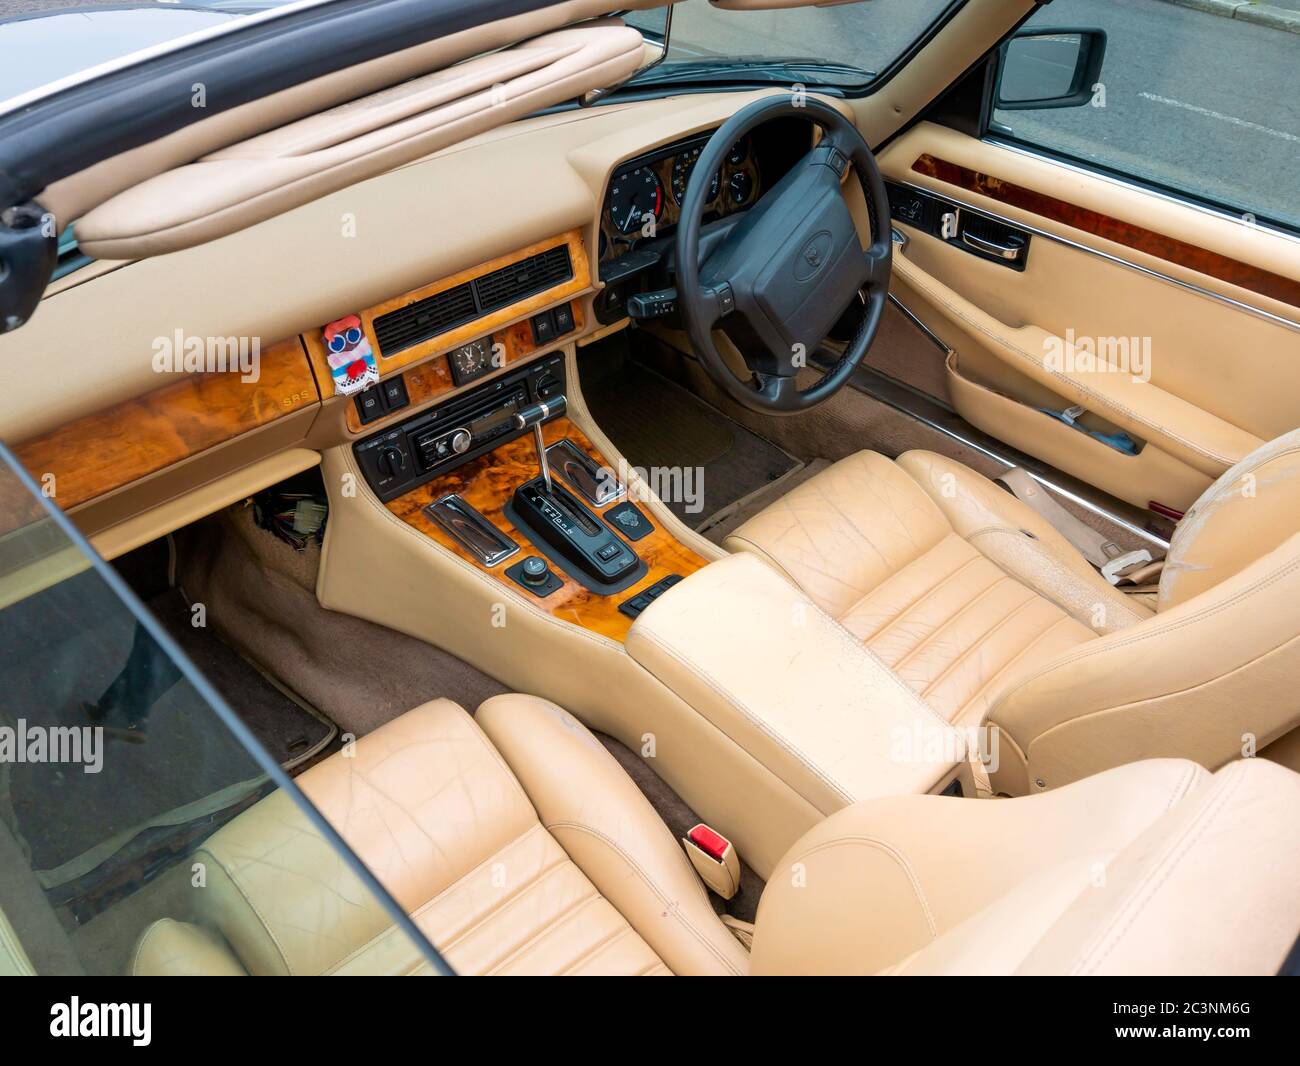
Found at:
<point>1048,68</point>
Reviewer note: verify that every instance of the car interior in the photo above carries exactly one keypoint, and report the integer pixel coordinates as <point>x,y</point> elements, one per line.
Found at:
<point>510,504</point>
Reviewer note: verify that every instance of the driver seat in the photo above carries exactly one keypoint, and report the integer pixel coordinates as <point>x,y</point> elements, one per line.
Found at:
<point>988,612</point>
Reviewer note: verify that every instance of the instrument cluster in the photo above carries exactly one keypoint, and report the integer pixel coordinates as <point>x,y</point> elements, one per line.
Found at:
<point>645,195</point>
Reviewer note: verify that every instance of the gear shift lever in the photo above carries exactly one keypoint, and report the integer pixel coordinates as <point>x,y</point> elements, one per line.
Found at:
<point>563,527</point>
<point>534,415</point>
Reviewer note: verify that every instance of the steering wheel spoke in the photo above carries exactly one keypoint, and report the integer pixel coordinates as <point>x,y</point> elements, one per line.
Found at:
<point>779,391</point>
<point>788,270</point>
<point>878,264</point>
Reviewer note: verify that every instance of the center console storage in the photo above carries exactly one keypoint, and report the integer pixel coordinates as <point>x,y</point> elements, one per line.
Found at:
<point>755,656</point>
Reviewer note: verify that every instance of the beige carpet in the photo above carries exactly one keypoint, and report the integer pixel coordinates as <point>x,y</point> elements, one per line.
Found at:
<point>260,598</point>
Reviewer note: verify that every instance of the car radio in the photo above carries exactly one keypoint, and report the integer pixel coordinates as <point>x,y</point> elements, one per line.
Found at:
<point>443,437</point>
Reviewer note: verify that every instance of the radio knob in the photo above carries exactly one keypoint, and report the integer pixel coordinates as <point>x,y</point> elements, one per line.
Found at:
<point>392,461</point>
<point>546,386</point>
<point>460,441</point>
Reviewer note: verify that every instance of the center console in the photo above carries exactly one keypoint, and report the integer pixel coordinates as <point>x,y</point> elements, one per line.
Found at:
<point>749,651</point>
<point>500,476</point>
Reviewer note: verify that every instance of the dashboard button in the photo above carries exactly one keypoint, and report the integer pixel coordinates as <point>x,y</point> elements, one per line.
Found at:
<point>543,328</point>
<point>394,391</point>
<point>564,319</point>
<point>369,405</point>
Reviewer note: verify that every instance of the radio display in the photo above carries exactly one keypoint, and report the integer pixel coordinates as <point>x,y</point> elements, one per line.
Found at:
<point>488,424</point>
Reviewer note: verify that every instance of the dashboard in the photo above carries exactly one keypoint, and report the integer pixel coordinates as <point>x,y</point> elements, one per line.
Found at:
<point>643,200</point>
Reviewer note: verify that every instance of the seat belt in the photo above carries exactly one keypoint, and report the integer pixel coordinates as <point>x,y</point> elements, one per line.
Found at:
<point>1110,558</point>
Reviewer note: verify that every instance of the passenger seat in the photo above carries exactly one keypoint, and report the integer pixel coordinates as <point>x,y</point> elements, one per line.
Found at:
<point>519,846</point>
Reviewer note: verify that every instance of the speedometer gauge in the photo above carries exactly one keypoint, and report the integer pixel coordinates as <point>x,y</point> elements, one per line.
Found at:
<point>684,166</point>
<point>633,196</point>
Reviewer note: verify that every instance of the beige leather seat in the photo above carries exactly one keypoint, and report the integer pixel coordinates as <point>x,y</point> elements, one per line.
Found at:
<point>519,845</point>
<point>988,612</point>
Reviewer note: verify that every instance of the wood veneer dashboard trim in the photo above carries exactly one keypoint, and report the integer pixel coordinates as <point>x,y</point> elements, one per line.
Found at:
<point>580,283</point>
<point>98,453</point>
<point>488,483</point>
<point>1130,235</point>
<point>432,380</point>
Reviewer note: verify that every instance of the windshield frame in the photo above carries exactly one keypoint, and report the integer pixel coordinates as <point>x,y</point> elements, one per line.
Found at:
<point>874,80</point>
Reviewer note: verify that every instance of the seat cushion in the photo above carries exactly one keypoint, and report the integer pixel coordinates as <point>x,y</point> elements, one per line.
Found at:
<point>911,558</point>
<point>930,863</point>
<point>431,807</point>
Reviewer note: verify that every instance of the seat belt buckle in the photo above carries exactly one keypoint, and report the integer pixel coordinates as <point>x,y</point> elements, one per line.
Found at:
<point>1113,571</point>
<point>714,858</point>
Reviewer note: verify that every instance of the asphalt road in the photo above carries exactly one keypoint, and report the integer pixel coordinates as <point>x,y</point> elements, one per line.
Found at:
<point>1193,100</point>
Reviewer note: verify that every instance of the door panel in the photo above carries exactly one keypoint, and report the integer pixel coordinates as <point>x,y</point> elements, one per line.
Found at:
<point>1165,321</point>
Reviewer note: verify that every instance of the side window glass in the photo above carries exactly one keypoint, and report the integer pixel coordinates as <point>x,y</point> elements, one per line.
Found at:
<point>119,767</point>
<point>1197,102</point>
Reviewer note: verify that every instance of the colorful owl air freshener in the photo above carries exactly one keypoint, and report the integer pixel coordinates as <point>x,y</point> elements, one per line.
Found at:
<point>352,363</point>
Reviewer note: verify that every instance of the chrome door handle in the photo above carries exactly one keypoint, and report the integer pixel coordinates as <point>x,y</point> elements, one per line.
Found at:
<point>1009,252</point>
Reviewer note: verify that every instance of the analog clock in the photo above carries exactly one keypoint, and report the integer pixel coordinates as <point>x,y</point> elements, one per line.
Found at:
<point>471,360</point>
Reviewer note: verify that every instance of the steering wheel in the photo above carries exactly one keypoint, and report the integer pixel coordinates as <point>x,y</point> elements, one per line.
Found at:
<point>785,273</point>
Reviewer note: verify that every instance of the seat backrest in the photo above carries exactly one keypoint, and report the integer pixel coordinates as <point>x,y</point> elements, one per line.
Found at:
<point>1151,868</point>
<point>1244,515</point>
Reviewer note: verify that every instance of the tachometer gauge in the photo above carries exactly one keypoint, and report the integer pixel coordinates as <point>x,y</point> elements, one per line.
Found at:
<point>633,196</point>
<point>741,186</point>
<point>683,167</point>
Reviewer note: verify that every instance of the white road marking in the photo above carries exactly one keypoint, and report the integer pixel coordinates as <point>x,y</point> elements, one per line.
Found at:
<point>1219,115</point>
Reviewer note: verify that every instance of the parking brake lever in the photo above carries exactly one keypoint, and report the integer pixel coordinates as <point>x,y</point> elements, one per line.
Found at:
<point>533,416</point>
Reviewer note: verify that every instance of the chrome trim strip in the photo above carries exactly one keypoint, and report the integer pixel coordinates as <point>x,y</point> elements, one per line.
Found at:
<point>1111,179</point>
<point>1018,224</point>
<point>473,532</point>
<point>598,491</point>
<point>929,333</point>
<point>923,408</point>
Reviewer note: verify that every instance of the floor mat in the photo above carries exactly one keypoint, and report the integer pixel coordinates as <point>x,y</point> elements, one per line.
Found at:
<point>287,728</point>
<point>658,424</point>
<point>261,599</point>
<point>65,811</point>
<point>740,512</point>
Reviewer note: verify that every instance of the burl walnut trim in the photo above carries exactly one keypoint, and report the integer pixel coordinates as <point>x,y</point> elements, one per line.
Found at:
<point>479,327</point>
<point>432,380</point>
<point>1170,249</point>
<point>488,483</point>
<point>100,452</point>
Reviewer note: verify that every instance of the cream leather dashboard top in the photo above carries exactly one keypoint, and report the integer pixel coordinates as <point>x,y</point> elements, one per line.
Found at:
<point>290,274</point>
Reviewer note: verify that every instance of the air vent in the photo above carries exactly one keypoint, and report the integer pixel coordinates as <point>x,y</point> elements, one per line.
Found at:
<point>427,318</point>
<point>524,278</point>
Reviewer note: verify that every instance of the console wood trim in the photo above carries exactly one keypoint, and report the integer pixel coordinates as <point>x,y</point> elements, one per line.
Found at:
<point>488,484</point>
<point>453,338</point>
<point>1170,249</point>
<point>100,452</point>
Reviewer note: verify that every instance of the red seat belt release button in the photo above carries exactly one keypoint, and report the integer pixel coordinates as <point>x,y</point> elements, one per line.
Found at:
<point>714,859</point>
<point>713,844</point>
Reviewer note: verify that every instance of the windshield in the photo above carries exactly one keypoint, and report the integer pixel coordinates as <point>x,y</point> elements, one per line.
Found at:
<point>845,45</point>
<point>45,41</point>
